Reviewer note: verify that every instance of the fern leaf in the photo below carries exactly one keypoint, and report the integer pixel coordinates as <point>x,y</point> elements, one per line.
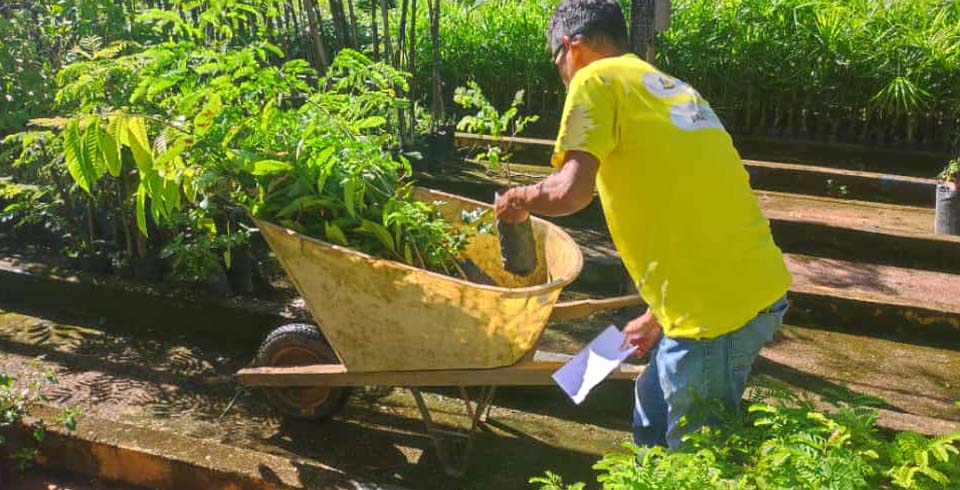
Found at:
<point>74,156</point>
<point>50,122</point>
<point>934,475</point>
<point>158,85</point>
<point>92,151</point>
<point>160,17</point>
<point>110,147</point>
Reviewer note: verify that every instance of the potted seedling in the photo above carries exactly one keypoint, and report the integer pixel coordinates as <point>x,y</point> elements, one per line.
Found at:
<point>488,121</point>
<point>517,244</point>
<point>948,200</point>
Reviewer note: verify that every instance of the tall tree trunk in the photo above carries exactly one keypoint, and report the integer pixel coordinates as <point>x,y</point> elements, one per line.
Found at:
<point>353,25</point>
<point>435,41</point>
<point>373,28</point>
<point>387,47</point>
<point>295,14</point>
<point>316,33</point>
<point>401,40</point>
<point>411,66</point>
<point>402,34</point>
<point>288,33</point>
<point>340,30</point>
<point>642,28</point>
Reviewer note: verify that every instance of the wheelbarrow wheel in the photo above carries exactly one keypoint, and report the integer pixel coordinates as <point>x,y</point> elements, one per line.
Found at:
<point>299,344</point>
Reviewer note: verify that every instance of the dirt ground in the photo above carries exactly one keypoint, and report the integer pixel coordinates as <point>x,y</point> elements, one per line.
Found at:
<point>178,386</point>
<point>37,480</point>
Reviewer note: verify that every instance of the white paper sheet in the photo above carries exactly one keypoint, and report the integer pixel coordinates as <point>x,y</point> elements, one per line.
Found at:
<point>591,365</point>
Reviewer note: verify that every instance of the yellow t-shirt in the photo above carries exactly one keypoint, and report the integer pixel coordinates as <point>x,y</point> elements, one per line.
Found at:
<point>676,197</point>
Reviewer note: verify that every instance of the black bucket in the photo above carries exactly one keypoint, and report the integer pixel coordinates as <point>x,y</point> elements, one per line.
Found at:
<point>948,210</point>
<point>518,249</point>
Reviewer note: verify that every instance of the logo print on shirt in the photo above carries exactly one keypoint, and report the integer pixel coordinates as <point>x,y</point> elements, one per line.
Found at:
<point>666,86</point>
<point>692,115</point>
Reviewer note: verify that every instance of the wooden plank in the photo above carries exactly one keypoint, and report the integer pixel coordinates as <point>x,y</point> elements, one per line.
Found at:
<point>525,373</point>
<point>572,310</point>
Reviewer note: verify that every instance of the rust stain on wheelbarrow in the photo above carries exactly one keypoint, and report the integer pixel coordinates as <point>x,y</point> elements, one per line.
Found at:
<point>381,315</point>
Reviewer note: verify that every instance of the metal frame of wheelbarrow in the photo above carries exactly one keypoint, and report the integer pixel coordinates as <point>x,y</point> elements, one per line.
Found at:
<point>453,446</point>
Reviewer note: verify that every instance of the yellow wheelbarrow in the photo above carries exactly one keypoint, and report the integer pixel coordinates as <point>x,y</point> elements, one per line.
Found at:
<point>384,323</point>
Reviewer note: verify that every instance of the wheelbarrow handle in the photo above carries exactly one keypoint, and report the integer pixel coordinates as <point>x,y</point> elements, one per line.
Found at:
<point>573,310</point>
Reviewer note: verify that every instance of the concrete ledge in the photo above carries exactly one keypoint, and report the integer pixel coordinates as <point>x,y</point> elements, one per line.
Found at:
<point>134,307</point>
<point>785,177</point>
<point>831,182</point>
<point>838,228</point>
<point>912,306</point>
<point>164,461</point>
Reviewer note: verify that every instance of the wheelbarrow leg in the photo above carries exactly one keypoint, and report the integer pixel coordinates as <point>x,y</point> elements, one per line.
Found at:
<point>484,404</point>
<point>478,412</point>
<point>455,447</point>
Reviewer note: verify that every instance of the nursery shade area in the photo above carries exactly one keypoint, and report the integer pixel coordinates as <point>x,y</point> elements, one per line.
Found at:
<point>193,173</point>
<point>864,71</point>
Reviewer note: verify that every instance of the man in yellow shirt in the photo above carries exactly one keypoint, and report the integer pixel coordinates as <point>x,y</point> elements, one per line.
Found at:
<point>681,213</point>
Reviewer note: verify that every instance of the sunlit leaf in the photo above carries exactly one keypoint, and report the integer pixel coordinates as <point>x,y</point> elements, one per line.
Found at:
<point>142,209</point>
<point>334,234</point>
<point>270,167</point>
<point>140,144</point>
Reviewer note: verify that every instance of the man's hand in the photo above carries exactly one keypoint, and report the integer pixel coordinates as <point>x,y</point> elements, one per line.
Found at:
<point>563,193</point>
<point>510,206</point>
<point>642,332</point>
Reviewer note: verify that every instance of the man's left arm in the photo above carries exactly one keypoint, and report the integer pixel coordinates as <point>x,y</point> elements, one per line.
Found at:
<point>563,193</point>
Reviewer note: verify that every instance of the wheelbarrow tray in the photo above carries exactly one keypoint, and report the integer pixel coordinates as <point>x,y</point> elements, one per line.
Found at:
<point>381,315</point>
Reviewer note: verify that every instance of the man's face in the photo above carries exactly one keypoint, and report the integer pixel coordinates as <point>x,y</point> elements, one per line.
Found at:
<point>564,61</point>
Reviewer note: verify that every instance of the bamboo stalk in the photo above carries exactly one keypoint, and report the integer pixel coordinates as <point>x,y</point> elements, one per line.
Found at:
<point>387,47</point>
<point>353,25</point>
<point>316,32</point>
<point>411,61</point>
<point>373,29</point>
<point>435,40</point>
<point>402,34</point>
<point>340,30</point>
<point>401,39</point>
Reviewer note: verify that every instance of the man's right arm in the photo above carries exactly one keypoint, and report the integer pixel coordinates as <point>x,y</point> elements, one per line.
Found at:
<point>565,192</point>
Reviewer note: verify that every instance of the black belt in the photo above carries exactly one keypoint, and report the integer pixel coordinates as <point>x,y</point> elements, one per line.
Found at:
<point>769,308</point>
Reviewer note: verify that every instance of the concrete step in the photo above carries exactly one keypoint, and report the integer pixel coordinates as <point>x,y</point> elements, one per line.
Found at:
<point>860,230</point>
<point>774,176</point>
<point>841,183</point>
<point>918,384</point>
<point>878,300</point>
<point>865,231</point>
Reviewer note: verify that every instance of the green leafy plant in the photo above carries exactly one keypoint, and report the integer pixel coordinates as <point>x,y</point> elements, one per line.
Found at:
<point>177,136</point>
<point>922,462</point>
<point>508,35</point>
<point>489,121</point>
<point>19,398</point>
<point>38,193</point>
<point>553,481</point>
<point>786,442</point>
<point>951,173</point>
<point>130,120</point>
<point>330,175</point>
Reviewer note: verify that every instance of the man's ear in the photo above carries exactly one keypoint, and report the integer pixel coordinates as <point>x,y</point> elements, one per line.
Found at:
<point>576,48</point>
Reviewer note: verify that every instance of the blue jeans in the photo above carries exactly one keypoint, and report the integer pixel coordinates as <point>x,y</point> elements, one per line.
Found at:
<point>683,373</point>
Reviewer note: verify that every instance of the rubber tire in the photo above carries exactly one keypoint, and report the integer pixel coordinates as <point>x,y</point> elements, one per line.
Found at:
<point>305,338</point>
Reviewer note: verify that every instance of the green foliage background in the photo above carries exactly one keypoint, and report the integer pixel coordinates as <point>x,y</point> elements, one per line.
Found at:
<point>785,441</point>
